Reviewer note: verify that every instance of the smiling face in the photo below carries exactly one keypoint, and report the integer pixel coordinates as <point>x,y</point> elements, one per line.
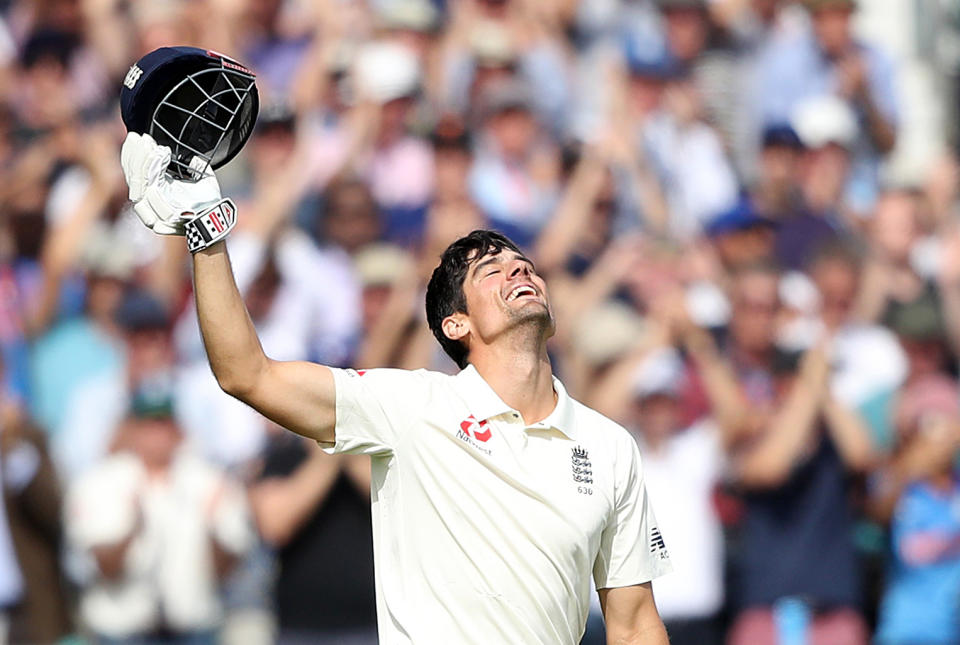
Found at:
<point>503,294</point>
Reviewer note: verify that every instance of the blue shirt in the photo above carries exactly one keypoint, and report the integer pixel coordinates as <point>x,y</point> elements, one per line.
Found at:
<point>69,354</point>
<point>922,601</point>
<point>795,69</point>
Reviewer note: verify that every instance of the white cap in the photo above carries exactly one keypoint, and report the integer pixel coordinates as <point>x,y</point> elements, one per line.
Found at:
<point>661,372</point>
<point>381,264</point>
<point>607,332</point>
<point>824,119</point>
<point>385,71</point>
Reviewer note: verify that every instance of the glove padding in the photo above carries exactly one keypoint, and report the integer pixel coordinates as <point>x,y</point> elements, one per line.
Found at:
<point>162,203</point>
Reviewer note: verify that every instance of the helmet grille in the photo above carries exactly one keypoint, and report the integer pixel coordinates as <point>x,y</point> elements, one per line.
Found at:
<point>205,119</point>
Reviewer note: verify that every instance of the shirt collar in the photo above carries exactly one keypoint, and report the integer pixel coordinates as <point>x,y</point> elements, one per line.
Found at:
<point>484,403</point>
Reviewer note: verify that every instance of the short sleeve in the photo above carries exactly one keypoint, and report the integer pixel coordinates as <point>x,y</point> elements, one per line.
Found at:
<point>632,550</point>
<point>373,409</point>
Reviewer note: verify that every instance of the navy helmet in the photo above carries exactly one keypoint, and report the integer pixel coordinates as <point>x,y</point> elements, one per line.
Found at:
<point>199,103</point>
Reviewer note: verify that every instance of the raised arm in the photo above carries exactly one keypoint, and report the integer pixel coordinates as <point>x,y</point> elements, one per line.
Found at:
<point>771,460</point>
<point>296,395</point>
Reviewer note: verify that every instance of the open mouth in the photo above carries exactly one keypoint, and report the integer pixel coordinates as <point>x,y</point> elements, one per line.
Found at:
<point>522,291</point>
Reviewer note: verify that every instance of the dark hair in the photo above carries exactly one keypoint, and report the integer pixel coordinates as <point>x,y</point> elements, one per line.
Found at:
<point>841,251</point>
<point>445,295</point>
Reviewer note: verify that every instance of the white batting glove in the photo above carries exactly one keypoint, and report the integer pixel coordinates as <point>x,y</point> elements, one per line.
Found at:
<point>171,207</point>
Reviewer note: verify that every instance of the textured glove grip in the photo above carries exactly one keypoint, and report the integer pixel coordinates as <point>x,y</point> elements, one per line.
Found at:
<point>211,225</point>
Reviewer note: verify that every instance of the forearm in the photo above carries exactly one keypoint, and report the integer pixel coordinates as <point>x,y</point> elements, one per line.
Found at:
<point>566,226</point>
<point>880,129</point>
<point>281,505</point>
<point>769,463</point>
<point>230,339</point>
<point>730,408</point>
<point>849,434</point>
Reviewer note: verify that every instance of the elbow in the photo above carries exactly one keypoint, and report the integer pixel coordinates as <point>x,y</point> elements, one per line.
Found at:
<point>273,533</point>
<point>863,462</point>
<point>235,386</point>
<point>237,382</point>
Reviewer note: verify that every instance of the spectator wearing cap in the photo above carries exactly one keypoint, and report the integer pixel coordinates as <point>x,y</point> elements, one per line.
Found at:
<point>796,536</point>
<point>394,335</point>
<point>921,330</point>
<point>683,465</point>
<point>157,527</point>
<point>513,178</point>
<point>79,348</point>
<point>825,127</point>
<point>487,41</point>
<point>96,407</point>
<point>828,60</point>
<point>775,190</point>
<point>922,484</point>
<point>741,236</point>
<point>397,165</point>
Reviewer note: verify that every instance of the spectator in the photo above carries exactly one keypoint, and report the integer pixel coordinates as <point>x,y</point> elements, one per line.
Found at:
<point>693,176</point>
<point>824,128</point>
<point>687,155</point>
<point>34,603</point>
<point>829,60</point>
<point>96,408</point>
<point>308,506</point>
<point>513,177</point>
<point>684,465</point>
<point>158,527</point>
<point>919,605</point>
<point>797,531</point>
<point>741,237</point>
<point>869,360</point>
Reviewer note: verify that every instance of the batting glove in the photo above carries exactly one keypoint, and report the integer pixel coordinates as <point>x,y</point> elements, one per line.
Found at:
<point>171,207</point>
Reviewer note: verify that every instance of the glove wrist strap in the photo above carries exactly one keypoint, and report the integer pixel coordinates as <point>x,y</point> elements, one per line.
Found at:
<point>211,225</point>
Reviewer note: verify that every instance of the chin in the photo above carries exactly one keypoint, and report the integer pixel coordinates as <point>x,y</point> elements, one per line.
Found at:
<point>540,315</point>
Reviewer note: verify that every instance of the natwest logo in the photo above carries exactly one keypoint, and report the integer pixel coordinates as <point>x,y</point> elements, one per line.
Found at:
<point>478,431</point>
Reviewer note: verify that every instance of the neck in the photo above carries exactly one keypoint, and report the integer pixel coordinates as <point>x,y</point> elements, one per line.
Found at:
<point>522,379</point>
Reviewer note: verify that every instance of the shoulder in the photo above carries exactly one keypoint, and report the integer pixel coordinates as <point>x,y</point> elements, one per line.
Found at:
<point>601,431</point>
<point>395,383</point>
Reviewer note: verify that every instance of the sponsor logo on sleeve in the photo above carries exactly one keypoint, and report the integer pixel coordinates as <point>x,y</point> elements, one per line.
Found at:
<point>657,545</point>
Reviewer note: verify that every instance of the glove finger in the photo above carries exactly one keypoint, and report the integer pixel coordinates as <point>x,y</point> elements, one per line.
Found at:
<point>145,213</point>
<point>130,162</point>
<point>165,228</point>
<point>155,161</point>
<point>165,211</point>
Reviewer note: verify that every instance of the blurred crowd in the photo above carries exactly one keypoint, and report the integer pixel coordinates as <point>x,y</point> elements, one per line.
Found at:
<point>747,215</point>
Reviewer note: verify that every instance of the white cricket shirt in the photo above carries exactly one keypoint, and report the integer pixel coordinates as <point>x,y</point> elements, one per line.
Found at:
<point>486,530</point>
